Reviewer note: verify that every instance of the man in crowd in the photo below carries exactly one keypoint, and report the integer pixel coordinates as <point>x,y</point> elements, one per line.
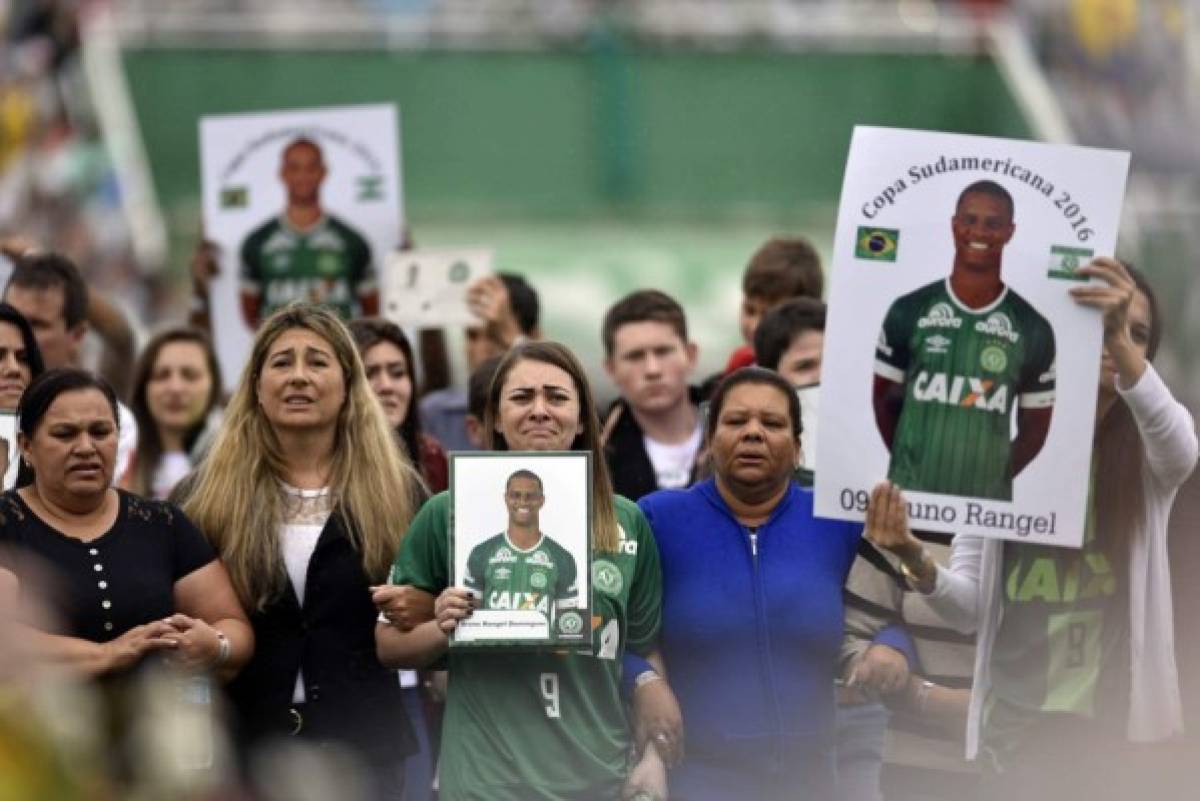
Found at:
<point>780,270</point>
<point>652,432</point>
<point>49,291</point>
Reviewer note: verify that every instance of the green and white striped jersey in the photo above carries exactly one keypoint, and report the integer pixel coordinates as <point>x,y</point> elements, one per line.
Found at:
<point>541,578</point>
<point>963,371</point>
<point>329,263</point>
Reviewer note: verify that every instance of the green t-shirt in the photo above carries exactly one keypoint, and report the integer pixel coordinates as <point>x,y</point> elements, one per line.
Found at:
<point>542,725</point>
<point>1063,642</point>
<point>329,263</point>
<point>541,578</point>
<point>962,370</point>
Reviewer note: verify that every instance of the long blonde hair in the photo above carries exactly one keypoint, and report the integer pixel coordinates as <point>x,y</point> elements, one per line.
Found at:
<point>605,537</point>
<point>235,496</point>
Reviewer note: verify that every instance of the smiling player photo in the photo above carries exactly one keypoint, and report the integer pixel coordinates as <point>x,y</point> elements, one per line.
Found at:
<point>520,542</point>
<point>964,367</point>
<point>522,567</point>
<point>954,357</point>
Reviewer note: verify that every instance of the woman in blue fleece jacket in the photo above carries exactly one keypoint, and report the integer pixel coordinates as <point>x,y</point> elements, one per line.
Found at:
<point>752,606</point>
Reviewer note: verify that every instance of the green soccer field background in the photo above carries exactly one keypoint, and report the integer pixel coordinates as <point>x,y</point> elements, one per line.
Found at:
<point>594,170</point>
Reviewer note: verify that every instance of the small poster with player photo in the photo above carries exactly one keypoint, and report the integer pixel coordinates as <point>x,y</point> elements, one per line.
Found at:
<point>521,542</point>
<point>10,457</point>
<point>428,288</point>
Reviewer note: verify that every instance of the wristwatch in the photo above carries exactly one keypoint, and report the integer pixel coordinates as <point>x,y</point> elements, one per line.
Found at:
<point>926,572</point>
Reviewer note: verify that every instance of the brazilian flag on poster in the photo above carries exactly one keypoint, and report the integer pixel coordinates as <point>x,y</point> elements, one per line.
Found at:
<point>876,244</point>
<point>234,197</point>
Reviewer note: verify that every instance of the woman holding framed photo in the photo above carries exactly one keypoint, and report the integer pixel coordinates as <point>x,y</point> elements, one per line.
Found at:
<point>537,725</point>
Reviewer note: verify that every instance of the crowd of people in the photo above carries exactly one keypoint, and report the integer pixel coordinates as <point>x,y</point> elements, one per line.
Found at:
<point>289,545</point>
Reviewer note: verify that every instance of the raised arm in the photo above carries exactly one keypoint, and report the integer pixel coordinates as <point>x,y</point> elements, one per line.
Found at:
<point>488,299</point>
<point>953,592</point>
<point>251,305</point>
<point>204,267</point>
<point>111,325</point>
<point>251,280</point>
<point>1167,429</point>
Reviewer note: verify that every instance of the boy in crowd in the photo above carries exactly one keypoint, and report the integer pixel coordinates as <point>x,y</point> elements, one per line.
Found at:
<point>782,269</point>
<point>789,340</point>
<point>652,432</point>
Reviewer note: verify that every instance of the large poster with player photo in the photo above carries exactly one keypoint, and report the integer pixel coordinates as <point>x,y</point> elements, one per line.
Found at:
<point>301,205</point>
<point>521,542</point>
<point>958,365</point>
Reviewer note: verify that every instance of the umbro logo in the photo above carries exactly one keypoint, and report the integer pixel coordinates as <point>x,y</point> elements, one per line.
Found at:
<point>937,344</point>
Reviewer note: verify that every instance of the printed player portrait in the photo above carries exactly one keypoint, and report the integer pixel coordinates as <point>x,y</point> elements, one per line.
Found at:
<point>956,356</point>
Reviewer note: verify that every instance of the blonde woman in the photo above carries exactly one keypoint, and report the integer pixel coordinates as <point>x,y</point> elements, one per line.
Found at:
<point>305,496</point>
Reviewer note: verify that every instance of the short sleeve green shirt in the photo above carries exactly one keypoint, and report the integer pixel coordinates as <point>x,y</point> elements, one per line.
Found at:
<point>329,263</point>
<point>541,578</point>
<point>963,371</point>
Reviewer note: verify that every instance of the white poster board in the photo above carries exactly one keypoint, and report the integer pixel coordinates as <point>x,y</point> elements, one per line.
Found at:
<point>533,596</point>
<point>428,288</point>
<point>255,169</point>
<point>10,455</point>
<point>963,381</point>
<point>809,397</point>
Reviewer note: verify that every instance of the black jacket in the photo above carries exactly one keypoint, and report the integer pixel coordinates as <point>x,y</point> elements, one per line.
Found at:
<point>351,697</point>
<point>625,451</point>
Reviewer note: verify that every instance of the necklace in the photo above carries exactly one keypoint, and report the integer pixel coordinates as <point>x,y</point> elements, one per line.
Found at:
<point>70,524</point>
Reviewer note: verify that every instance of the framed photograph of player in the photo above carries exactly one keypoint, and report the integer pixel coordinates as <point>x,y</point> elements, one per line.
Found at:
<point>10,455</point>
<point>300,205</point>
<point>965,371</point>
<point>521,541</point>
